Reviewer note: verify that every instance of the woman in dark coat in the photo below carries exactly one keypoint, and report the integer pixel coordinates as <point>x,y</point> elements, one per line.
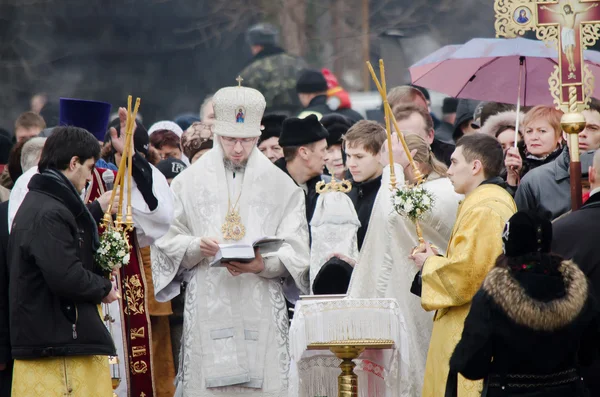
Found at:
<point>533,321</point>
<point>542,144</point>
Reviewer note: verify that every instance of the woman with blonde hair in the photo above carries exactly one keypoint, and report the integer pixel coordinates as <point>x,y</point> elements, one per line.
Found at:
<point>542,143</point>
<point>429,166</point>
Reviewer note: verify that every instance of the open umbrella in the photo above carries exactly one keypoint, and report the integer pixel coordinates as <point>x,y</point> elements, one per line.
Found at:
<point>497,70</point>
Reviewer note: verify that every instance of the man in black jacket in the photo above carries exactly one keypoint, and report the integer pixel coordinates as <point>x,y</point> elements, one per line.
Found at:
<point>312,91</point>
<point>55,288</point>
<point>304,143</point>
<point>574,238</point>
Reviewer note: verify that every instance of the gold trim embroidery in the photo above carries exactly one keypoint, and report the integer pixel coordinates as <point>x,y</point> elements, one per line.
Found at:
<point>139,367</point>
<point>138,333</point>
<point>138,351</point>
<point>134,294</point>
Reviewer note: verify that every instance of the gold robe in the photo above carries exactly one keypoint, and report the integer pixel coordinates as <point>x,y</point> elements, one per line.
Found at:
<point>78,376</point>
<point>450,282</point>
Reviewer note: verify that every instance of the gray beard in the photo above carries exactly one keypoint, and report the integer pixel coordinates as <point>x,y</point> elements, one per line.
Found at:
<point>234,167</point>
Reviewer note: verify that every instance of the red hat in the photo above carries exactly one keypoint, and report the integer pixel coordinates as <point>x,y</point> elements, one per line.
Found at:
<point>338,98</point>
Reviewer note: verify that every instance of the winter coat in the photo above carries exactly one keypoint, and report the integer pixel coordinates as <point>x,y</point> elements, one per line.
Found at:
<point>526,327</point>
<point>274,73</point>
<point>54,292</point>
<point>548,188</point>
<point>311,196</point>
<point>573,238</point>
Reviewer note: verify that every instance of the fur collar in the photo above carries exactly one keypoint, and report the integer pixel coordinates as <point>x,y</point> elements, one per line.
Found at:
<point>541,316</point>
<point>51,187</point>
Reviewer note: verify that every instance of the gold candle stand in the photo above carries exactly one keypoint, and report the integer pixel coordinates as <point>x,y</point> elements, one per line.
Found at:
<point>348,351</point>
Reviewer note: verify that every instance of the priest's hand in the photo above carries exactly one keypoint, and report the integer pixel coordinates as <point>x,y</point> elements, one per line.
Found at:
<point>421,253</point>
<point>104,200</point>
<point>255,267</point>
<point>209,246</point>
<point>118,142</point>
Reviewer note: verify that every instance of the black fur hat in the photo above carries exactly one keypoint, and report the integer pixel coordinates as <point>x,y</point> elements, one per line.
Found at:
<point>337,126</point>
<point>271,126</point>
<point>298,132</point>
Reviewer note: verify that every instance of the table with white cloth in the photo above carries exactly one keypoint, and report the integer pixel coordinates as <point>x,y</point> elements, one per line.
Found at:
<point>327,334</point>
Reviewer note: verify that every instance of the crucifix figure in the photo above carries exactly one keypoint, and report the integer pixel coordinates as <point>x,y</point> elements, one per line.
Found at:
<point>239,80</point>
<point>569,35</point>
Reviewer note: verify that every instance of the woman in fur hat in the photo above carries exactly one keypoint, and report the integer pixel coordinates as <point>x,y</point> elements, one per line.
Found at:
<point>532,323</point>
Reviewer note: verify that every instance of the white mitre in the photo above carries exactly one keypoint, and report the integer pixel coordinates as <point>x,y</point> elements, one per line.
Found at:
<point>238,112</point>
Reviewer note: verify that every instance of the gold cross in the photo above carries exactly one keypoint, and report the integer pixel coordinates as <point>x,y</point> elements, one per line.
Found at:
<point>239,80</point>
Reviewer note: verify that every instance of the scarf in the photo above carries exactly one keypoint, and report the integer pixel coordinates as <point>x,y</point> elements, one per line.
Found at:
<point>66,184</point>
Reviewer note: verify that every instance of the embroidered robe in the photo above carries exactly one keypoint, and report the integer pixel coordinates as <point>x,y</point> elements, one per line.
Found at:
<point>235,328</point>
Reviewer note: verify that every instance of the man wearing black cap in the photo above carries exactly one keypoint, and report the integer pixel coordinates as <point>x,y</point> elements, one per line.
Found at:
<point>170,168</point>
<point>304,143</point>
<point>444,131</point>
<point>272,71</point>
<point>464,117</point>
<point>337,126</point>
<point>268,143</point>
<point>312,91</point>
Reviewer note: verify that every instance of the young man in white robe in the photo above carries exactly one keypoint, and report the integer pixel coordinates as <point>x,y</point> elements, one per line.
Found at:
<point>235,318</point>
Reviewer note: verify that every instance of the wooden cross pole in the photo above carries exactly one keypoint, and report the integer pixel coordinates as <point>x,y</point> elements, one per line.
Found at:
<point>570,26</point>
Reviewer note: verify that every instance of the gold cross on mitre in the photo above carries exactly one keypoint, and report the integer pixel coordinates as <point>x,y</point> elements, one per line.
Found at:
<point>570,26</point>
<point>239,80</point>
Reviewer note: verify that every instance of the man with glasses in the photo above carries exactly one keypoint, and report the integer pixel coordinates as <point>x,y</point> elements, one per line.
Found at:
<point>235,330</point>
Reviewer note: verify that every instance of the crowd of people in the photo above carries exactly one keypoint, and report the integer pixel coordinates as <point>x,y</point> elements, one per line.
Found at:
<point>500,299</point>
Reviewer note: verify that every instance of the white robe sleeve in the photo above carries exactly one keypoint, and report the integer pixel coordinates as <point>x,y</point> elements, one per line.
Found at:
<point>152,225</point>
<point>175,254</point>
<point>294,254</point>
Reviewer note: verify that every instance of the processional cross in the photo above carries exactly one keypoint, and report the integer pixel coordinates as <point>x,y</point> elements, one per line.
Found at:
<point>570,26</point>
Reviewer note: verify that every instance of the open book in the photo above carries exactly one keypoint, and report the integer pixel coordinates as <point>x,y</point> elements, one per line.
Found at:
<point>241,252</point>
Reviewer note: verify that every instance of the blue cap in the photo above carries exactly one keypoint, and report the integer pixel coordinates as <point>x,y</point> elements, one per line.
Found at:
<point>90,115</point>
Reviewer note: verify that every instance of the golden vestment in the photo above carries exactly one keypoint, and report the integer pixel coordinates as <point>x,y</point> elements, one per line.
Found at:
<point>450,282</point>
<point>77,376</point>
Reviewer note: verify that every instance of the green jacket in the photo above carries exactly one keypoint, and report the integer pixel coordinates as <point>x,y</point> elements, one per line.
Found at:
<point>274,73</point>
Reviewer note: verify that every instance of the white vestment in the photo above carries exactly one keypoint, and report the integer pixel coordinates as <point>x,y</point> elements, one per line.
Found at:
<point>235,339</point>
<point>385,271</point>
<point>333,228</point>
<point>149,226</point>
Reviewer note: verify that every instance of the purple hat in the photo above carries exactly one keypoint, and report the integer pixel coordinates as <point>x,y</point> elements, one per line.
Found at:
<point>90,115</point>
